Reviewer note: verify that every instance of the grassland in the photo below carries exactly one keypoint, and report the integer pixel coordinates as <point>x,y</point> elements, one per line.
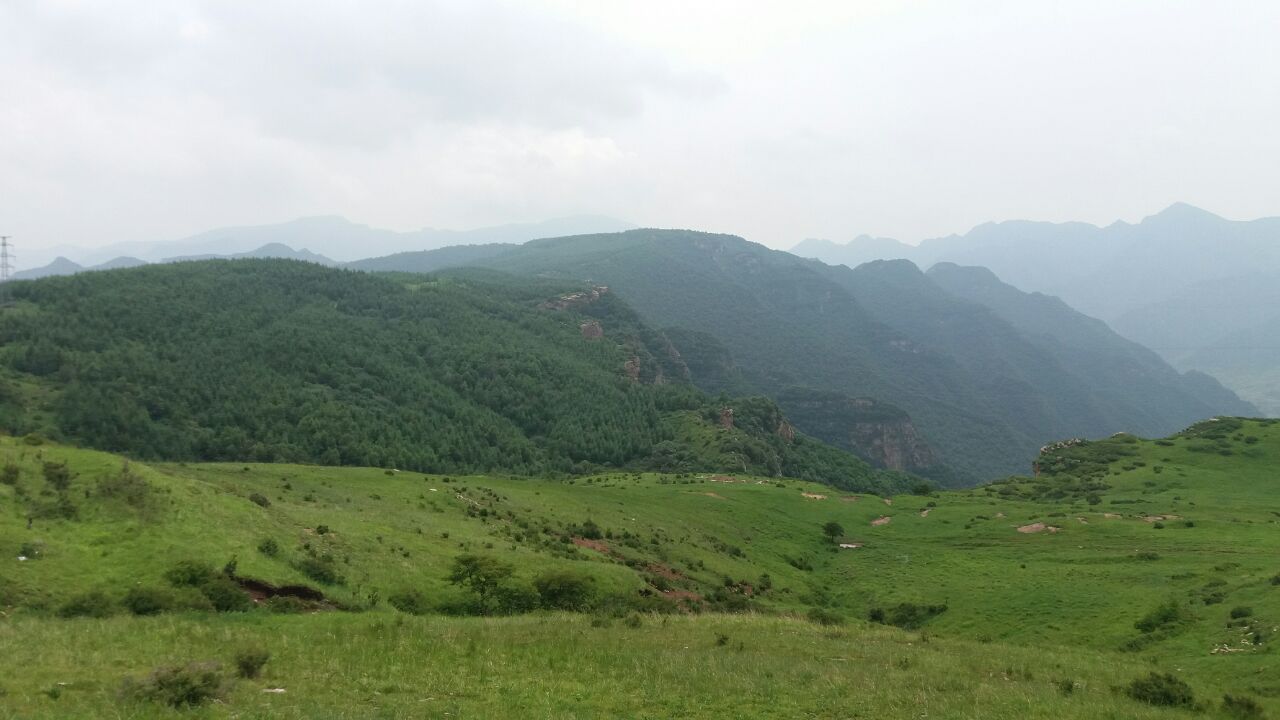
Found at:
<point>1190,524</point>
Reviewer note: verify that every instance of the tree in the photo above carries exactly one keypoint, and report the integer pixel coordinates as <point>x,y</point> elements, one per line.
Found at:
<point>833,529</point>
<point>480,574</point>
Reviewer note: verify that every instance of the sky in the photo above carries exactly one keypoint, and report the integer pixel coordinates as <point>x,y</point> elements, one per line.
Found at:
<point>134,120</point>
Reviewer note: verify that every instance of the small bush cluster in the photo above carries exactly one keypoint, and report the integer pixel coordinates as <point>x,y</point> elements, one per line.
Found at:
<point>908,616</point>
<point>249,661</point>
<point>1161,689</point>
<point>178,686</point>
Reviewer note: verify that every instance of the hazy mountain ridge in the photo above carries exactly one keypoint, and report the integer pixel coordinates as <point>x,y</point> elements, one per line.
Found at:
<point>1191,285</point>
<point>984,392</point>
<point>331,236</point>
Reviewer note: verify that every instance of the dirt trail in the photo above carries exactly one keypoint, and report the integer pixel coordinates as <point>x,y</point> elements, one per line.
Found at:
<point>925,512</point>
<point>1038,527</point>
<point>814,496</point>
<point>882,520</point>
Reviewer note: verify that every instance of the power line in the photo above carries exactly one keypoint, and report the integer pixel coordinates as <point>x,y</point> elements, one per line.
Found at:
<point>6,267</point>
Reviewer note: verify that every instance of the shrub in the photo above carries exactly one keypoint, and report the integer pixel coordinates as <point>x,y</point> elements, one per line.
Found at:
<point>822,616</point>
<point>268,547</point>
<point>226,596</point>
<point>1066,686</point>
<point>512,599</point>
<point>1241,706</point>
<point>633,620</point>
<point>1241,612</point>
<point>126,486</point>
<point>33,439</point>
<point>1275,579</point>
<point>412,602</point>
<point>319,569</point>
<point>190,573</point>
<point>908,616</point>
<point>259,499</point>
<point>91,604</point>
<point>1161,689</point>
<point>179,686</point>
<point>322,530</point>
<point>58,475</point>
<point>9,474</point>
<point>565,590</point>
<point>1168,614</point>
<point>249,661</point>
<point>147,601</point>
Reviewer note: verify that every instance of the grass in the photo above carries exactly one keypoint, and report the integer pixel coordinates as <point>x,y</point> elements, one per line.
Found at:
<point>395,666</point>
<point>1025,612</point>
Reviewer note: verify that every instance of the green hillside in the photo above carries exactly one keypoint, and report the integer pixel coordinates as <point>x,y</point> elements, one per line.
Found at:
<point>980,389</point>
<point>277,361</point>
<point>707,595</point>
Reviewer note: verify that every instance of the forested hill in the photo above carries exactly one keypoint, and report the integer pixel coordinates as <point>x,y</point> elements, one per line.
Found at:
<point>274,360</point>
<point>983,391</point>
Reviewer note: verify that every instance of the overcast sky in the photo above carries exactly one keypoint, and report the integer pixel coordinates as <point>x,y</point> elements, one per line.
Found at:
<point>139,120</point>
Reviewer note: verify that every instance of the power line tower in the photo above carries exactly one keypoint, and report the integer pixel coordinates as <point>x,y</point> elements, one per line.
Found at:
<point>6,267</point>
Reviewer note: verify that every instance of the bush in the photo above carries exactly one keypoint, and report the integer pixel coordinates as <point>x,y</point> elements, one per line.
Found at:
<point>249,662</point>
<point>322,530</point>
<point>412,602</point>
<point>58,475</point>
<point>1241,612</point>
<point>126,486</point>
<point>565,590</point>
<point>1275,579</point>
<point>319,569</point>
<point>268,547</point>
<point>822,616</point>
<point>1161,689</point>
<point>908,616</point>
<point>180,686</point>
<point>1163,616</point>
<point>91,604</point>
<point>33,439</point>
<point>9,474</point>
<point>513,599</point>
<point>259,499</point>
<point>1240,706</point>
<point>147,601</point>
<point>189,573</point>
<point>226,596</point>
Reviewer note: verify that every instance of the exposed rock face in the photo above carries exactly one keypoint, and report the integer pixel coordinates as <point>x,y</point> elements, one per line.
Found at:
<point>632,368</point>
<point>894,444</point>
<point>726,418</point>
<point>586,297</point>
<point>786,431</point>
<point>591,330</point>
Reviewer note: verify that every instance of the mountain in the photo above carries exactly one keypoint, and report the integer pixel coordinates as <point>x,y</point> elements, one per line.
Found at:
<point>270,250</point>
<point>276,360</point>
<point>60,266</point>
<point>431,260</point>
<point>862,249</point>
<point>909,375</point>
<point>1171,282</point>
<point>335,237</point>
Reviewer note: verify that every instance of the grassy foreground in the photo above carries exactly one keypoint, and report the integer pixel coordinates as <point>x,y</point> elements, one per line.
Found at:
<point>557,666</point>
<point>1034,597</point>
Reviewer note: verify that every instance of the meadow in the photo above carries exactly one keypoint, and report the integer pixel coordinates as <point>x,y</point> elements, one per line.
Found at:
<point>711,595</point>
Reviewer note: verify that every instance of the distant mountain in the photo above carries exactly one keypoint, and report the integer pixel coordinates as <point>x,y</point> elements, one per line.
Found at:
<point>431,260</point>
<point>882,359</point>
<point>120,262</point>
<point>270,250</point>
<point>60,266</point>
<point>335,237</point>
<point>1155,281</point>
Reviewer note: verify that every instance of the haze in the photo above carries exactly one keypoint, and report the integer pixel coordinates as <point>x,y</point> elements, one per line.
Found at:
<point>136,121</point>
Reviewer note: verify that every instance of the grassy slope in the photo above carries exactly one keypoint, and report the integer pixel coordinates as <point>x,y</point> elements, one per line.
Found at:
<point>1052,605</point>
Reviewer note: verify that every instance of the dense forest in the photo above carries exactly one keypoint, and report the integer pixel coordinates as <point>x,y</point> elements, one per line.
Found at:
<point>273,360</point>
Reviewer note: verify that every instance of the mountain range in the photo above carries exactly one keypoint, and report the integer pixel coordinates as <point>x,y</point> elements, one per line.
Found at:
<point>953,375</point>
<point>1197,288</point>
